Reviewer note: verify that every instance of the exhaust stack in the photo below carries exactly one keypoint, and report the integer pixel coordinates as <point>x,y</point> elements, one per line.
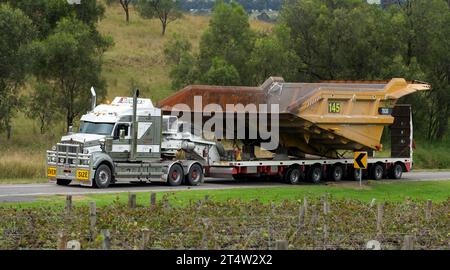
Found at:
<point>134,127</point>
<point>94,98</point>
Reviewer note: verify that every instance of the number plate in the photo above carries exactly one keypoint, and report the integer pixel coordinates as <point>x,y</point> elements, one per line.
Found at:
<point>334,107</point>
<point>82,175</point>
<point>51,171</point>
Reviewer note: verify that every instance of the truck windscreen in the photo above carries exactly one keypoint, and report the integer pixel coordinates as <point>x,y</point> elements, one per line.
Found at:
<point>96,128</point>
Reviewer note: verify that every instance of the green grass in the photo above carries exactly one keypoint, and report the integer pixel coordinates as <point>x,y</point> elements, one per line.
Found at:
<point>438,191</point>
<point>37,180</point>
<point>432,155</point>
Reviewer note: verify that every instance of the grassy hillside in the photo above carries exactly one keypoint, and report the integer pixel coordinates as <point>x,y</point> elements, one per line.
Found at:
<point>137,58</point>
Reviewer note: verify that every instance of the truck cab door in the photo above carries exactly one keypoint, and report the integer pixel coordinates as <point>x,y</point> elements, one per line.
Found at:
<point>121,145</point>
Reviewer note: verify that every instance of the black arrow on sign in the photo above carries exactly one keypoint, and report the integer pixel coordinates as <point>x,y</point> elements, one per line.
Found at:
<point>359,160</point>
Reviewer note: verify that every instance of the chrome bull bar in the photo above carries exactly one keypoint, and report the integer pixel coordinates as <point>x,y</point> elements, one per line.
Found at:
<point>72,165</point>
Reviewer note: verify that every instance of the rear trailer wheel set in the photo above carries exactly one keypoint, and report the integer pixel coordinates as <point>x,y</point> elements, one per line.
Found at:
<point>317,173</point>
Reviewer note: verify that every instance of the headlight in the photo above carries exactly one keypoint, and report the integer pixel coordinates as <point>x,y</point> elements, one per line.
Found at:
<point>53,159</point>
<point>61,160</point>
<point>54,148</point>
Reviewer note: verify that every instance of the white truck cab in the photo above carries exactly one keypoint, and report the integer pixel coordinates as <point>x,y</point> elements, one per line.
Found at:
<point>125,141</point>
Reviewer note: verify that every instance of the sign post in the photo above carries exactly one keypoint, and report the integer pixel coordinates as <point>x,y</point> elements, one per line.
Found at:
<point>360,162</point>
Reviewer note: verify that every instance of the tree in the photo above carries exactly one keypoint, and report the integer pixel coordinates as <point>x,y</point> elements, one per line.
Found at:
<point>229,38</point>
<point>221,73</point>
<point>272,57</point>
<point>125,6</point>
<point>225,47</point>
<point>342,39</point>
<point>176,47</point>
<point>45,14</point>
<point>16,32</point>
<point>69,61</point>
<point>185,72</point>
<point>415,20</point>
<point>40,106</point>
<point>166,11</point>
<point>177,52</point>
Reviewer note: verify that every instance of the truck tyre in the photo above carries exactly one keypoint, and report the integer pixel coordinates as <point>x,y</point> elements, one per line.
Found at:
<point>102,177</point>
<point>195,175</point>
<point>175,176</point>
<point>294,175</point>
<point>315,174</point>
<point>377,172</point>
<point>63,182</point>
<point>336,173</point>
<point>396,171</point>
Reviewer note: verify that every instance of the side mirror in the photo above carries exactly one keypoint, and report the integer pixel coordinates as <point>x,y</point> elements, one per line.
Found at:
<point>122,134</point>
<point>108,144</point>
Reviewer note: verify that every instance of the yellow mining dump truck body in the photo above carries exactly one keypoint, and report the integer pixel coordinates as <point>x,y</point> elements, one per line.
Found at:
<point>315,118</point>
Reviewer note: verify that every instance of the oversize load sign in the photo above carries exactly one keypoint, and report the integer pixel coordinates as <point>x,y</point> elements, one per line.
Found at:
<point>360,160</point>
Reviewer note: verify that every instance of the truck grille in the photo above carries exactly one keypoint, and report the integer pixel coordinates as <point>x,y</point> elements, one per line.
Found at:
<point>69,148</point>
<point>68,154</point>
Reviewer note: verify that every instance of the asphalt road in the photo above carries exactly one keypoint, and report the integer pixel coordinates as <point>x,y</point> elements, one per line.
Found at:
<point>28,192</point>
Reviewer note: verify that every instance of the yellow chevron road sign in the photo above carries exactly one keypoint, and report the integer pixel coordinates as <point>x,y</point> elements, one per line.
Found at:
<point>360,160</point>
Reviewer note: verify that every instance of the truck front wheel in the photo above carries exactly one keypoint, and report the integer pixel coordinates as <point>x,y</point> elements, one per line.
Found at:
<point>63,182</point>
<point>102,177</point>
<point>175,176</point>
<point>195,175</point>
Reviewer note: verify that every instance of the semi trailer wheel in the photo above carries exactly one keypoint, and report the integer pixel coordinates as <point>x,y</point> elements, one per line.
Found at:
<point>102,177</point>
<point>315,174</point>
<point>396,171</point>
<point>337,173</point>
<point>195,175</point>
<point>63,182</point>
<point>294,175</point>
<point>175,177</point>
<point>377,172</point>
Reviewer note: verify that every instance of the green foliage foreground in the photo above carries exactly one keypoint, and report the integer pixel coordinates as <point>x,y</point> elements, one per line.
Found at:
<point>234,224</point>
